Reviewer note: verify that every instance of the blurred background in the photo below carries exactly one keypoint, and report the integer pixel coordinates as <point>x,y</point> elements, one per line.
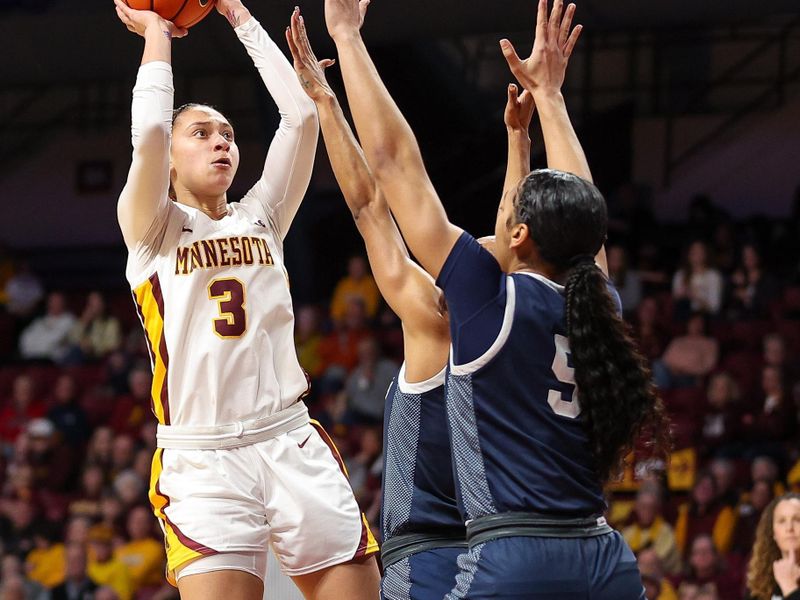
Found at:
<point>690,116</point>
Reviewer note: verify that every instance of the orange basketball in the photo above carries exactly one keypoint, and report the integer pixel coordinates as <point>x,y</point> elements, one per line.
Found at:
<point>184,13</point>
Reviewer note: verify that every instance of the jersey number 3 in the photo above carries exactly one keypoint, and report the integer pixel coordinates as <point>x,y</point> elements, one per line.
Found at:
<point>230,297</point>
<point>565,374</point>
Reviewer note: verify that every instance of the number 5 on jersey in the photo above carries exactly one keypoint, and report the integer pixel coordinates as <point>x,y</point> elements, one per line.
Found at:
<point>565,374</point>
<point>231,298</point>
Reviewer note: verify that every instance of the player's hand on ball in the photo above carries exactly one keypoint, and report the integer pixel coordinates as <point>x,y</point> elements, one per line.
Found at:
<point>344,17</point>
<point>310,71</point>
<point>139,21</point>
<point>544,69</point>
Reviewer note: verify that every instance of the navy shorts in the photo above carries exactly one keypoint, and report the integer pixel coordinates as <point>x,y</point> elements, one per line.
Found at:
<point>427,575</point>
<point>595,568</point>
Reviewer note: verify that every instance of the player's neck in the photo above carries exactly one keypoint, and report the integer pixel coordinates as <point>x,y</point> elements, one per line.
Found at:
<point>214,207</point>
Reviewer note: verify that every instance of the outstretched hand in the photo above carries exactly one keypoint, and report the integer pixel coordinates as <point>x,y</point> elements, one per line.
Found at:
<point>310,71</point>
<point>519,109</point>
<point>345,17</point>
<point>555,39</point>
<point>139,21</point>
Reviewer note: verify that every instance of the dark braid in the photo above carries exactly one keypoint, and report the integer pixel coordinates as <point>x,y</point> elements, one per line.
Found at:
<point>567,220</point>
<point>616,392</point>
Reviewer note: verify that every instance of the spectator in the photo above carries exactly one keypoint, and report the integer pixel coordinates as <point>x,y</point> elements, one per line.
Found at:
<point>142,554</point>
<point>307,339</point>
<point>722,420</point>
<point>774,355</point>
<point>54,464</point>
<point>696,286</point>
<point>365,464</point>
<point>724,473</point>
<point>774,572</point>
<point>764,468</point>
<point>46,562</point>
<point>752,290</point>
<point>358,284</point>
<point>688,358</point>
<point>99,450</point>
<point>750,509</point>
<point>23,407</point>
<point>705,514</point>
<point>103,568</point>
<point>95,334</point>
<point>48,337</point>
<point>67,414</point>
<point>367,384</point>
<point>339,349</point>
<point>23,291</point>
<point>12,569</point>
<point>130,489</point>
<point>650,530</point>
<point>106,593</point>
<point>77,584</point>
<point>775,421</point>
<point>649,330</point>
<point>88,501</point>
<point>123,450</point>
<point>657,586</point>
<point>133,409</point>
<point>625,279</point>
<point>18,527</point>
<point>707,570</point>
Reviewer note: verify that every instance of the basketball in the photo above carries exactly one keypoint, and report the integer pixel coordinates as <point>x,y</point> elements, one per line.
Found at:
<point>183,13</point>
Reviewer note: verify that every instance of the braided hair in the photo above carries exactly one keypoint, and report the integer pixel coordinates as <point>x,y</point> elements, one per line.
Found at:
<point>567,220</point>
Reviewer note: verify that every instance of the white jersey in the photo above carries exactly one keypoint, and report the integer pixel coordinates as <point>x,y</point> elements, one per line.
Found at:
<point>213,295</point>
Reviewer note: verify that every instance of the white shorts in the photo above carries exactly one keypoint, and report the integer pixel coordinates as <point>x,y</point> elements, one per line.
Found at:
<point>290,491</point>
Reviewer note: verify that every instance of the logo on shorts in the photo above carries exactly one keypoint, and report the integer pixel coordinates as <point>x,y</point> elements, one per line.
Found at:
<point>260,223</point>
<point>303,443</point>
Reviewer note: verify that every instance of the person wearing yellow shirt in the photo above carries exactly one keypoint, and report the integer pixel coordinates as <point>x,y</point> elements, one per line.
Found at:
<point>103,568</point>
<point>46,564</point>
<point>649,529</point>
<point>357,284</point>
<point>143,555</point>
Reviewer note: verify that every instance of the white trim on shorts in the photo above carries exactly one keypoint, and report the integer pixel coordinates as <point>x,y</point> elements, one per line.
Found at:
<point>254,563</point>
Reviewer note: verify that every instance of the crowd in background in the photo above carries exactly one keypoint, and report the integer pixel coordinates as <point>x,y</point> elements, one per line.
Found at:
<point>714,304</point>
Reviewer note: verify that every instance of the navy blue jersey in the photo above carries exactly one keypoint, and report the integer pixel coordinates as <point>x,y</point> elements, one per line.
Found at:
<point>519,443</point>
<point>418,485</point>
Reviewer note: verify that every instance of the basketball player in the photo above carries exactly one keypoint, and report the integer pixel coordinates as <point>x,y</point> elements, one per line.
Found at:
<point>530,453</point>
<point>239,465</point>
<point>423,532</point>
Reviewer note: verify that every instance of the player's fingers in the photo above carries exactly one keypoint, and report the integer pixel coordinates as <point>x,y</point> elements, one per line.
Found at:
<point>513,94</point>
<point>566,23</point>
<point>573,39</point>
<point>511,55</point>
<point>555,21</point>
<point>327,62</point>
<point>541,23</point>
<point>290,41</point>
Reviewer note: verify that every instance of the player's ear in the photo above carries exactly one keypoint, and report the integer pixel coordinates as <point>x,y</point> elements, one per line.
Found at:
<point>519,235</point>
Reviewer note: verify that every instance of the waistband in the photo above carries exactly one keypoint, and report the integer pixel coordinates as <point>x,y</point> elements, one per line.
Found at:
<point>518,524</point>
<point>398,547</point>
<point>234,435</point>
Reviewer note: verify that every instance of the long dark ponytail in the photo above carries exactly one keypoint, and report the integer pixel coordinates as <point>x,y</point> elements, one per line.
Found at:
<point>567,220</point>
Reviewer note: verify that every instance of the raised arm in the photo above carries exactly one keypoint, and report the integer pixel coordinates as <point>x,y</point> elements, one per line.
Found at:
<point>542,74</point>
<point>390,147</point>
<point>405,287</point>
<point>517,117</point>
<point>144,198</point>
<point>290,159</point>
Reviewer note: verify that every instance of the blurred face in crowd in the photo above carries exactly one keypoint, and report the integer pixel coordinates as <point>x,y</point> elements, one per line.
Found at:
<point>703,491</point>
<point>357,267</point>
<point>139,382</point>
<point>56,304</point>
<point>64,390</point>
<point>95,303</point>
<point>77,531</point>
<point>774,351</point>
<point>649,563</point>
<point>763,469</point>
<point>122,451</point>
<point>720,391</point>
<point>105,593</point>
<point>697,255</point>
<point>306,321</point>
<point>101,442</point>
<point>771,381</point>
<point>723,473</point>
<point>786,525</point>
<point>140,523</point>
<point>616,259</point>
<point>703,558</point>
<point>647,508</point>
<point>696,326</point>
<point>355,316</point>
<point>22,392</point>
<point>760,495</point>
<point>750,258</point>
<point>648,311</point>
<point>92,481</point>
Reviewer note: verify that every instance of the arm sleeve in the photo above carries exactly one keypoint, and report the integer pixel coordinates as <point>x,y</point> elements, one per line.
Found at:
<point>475,290</point>
<point>290,159</point>
<point>143,203</point>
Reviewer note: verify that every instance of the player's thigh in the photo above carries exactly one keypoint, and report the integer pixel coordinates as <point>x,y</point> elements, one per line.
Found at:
<point>357,579</point>
<point>314,519</point>
<point>229,584</point>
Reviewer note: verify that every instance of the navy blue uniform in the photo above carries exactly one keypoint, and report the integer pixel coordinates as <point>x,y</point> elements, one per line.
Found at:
<point>419,490</point>
<point>519,445</point>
